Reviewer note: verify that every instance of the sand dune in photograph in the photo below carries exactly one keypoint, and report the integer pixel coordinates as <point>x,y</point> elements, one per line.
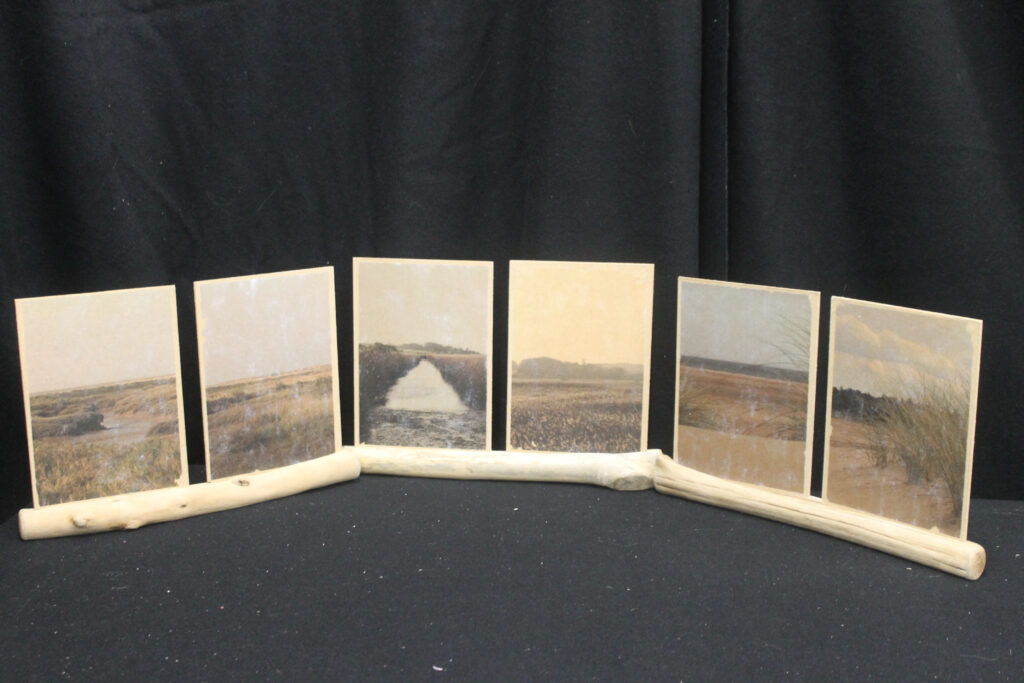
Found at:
<point>901,416</point>
<point>857,479</point>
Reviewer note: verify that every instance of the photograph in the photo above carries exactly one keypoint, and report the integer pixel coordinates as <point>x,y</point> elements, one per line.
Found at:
<point>579,356</point>
<point>268,368</point>
<point>903,389</point>
<point>423,336</point>
<point>102,384</point>
<point>745,387</point>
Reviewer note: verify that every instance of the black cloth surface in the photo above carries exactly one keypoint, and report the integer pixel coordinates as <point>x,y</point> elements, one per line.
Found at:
<point>388,578</point>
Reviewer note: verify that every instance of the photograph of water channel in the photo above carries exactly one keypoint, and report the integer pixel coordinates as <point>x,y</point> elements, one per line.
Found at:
<point>422,333</point>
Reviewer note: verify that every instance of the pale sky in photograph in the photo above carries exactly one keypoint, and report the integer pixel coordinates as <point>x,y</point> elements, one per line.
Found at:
<point>580,312</point>
<point>745,324</point>
<point>82,340</point>
<point>415,302</point>
<point>887,351</point>
<point>266,324</point>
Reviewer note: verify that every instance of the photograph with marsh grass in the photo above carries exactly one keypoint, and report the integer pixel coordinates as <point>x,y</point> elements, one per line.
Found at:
<point>745,393</point>
<point>560,406</point>
<point>423,336</point>
<point>268,365</point>
<point>903,393</point>
<point>100,374</point>
<point>579,356</point>
<point>266,422</point>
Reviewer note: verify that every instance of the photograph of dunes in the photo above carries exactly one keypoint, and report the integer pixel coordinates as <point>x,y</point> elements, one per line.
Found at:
<point>102,388</point>
<point>903,394</point>
<point>422,333</point>
<point>745,386</point>
<point>268,361</point>
<point>579,348</point>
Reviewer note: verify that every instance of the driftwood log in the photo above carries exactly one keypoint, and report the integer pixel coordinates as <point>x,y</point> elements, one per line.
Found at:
<point>133,510</point>
<point>932,548</point>
<point>624,472</point>
<point>620,471</point>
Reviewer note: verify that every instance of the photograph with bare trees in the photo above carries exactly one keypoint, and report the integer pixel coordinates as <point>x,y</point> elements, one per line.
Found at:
<point>579,349</point>
<point>903,393</point>
<point>423,332</point>
<point>268,358</point>
<point>102,388</point>
<point>745,384</point>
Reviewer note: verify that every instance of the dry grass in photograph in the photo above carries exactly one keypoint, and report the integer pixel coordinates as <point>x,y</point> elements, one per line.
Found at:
<point>382,366</point>
<point>746,426</point>
<point>267,422</point>
<point>575,408</point>
<point>903,458</point>
<point>106,440</point>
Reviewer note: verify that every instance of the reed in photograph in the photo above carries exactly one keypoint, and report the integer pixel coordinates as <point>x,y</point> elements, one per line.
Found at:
<point>903,389</point>
<point>745,397</point>
<point>268,354</point>
<point>579,356</point>
<point>423,339</point>
<point>569,407</point>
<point>266,422</point>
<point>100,374</point>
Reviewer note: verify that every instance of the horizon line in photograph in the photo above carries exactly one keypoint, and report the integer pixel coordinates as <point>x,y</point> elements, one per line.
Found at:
<point>759,371</point>
<point>104,385</point>
<point>579,362</point>
<point>547,368</point>
<point>426,347</point>
<point>276,375</point>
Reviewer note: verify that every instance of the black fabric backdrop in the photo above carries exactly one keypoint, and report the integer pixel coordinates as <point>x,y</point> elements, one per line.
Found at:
<point>874,151</point>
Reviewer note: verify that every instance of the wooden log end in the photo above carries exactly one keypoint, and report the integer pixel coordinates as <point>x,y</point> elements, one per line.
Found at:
<point>976,559</point>
<point>931,548</point>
